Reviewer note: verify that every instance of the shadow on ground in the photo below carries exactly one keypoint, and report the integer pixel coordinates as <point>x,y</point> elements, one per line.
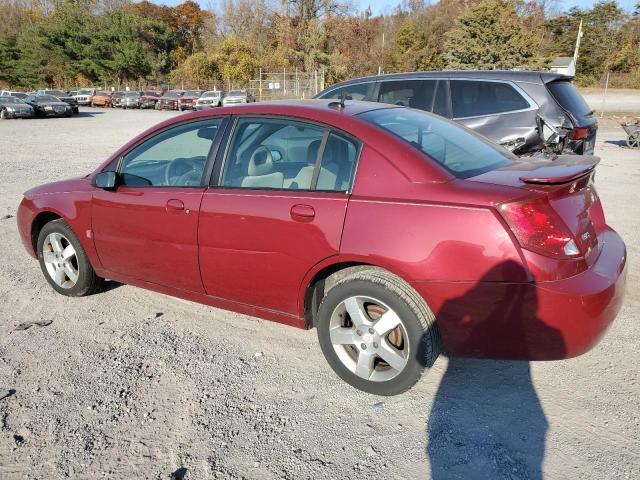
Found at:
<point>618,143</point>
<point>87,114</point>
<point>487,421</point>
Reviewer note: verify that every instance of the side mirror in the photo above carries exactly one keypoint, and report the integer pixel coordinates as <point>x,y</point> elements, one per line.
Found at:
<point>105,180</point>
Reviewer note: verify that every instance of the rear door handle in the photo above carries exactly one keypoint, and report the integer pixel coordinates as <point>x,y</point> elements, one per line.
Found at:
<point>303,213</point>
<point>174,205</point>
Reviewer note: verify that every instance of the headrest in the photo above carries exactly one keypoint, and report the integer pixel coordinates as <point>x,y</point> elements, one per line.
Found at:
<point>312,151</point>
<point>261,162</point>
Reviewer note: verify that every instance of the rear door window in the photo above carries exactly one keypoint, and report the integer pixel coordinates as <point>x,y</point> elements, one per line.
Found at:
<point>473,98</point>
<point>569,98</point>
<point>351,92</point>
<point>408,93</point>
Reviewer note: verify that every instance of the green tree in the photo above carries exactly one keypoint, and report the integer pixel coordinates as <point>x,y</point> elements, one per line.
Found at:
<point>491,35</point>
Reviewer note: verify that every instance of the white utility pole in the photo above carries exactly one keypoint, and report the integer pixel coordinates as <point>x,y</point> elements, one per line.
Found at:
<point>575,53</point>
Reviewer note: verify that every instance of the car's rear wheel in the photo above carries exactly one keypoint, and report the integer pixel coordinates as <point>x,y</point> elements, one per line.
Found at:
<point>64,262</point>
<point>3,115</point>
<point>376,332</point>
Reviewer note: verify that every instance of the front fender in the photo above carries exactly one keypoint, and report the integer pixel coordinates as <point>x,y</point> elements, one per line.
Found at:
<point>74,209</point>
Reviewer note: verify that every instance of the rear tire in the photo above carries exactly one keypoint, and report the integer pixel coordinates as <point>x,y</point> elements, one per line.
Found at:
<point>64,262</point>
<point>376,332</point>
<point>3,115</point>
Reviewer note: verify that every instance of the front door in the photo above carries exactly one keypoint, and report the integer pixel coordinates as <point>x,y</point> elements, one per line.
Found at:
<point>148,227</point>
<point>278,210</point>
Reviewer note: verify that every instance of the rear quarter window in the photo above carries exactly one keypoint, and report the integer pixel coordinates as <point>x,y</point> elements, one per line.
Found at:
<point>473,98</point>
<point>569,98</point>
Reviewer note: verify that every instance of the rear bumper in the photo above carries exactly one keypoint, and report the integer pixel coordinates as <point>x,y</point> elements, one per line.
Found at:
<point>531,321</point>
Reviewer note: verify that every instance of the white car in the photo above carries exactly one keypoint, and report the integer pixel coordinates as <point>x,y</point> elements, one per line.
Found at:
<point>209,100</point>
<point>84,96</point>
<point>237,96</point>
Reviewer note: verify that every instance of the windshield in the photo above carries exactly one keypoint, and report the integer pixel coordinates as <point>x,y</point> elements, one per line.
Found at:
<point>238,93</point>
<point>569,98</point>
<point>132,94</point>
<point>461,151</point>
<point>85,91</point>
<point>193,93</point>
<point>47,98</point>
<point>57,93</point>
<point>211,94</point>
<point>172,94</point>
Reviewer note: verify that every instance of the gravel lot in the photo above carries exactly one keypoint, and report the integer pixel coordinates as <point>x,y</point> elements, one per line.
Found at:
<point>133,384</point>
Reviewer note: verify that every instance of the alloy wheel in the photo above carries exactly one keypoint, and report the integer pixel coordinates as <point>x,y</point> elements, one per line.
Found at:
<point>60,260</point>
<point>369,338</point>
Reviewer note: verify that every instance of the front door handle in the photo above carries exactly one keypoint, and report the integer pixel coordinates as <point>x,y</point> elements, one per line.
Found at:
<point>303,213</point>
<point>174,205</point>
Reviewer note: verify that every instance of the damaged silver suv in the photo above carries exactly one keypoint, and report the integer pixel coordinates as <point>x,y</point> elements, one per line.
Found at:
<point>524,111</point>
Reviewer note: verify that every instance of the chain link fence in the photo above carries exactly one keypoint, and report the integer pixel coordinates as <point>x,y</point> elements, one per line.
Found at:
<point>286,84</point>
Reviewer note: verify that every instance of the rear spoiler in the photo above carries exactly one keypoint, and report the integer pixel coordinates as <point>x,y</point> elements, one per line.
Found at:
<point>563,169</point>
<point>548,77</point>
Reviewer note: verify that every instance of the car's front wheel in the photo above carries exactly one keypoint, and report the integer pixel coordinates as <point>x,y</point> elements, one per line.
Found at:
<point>64,262</point>
<point>376,332</point>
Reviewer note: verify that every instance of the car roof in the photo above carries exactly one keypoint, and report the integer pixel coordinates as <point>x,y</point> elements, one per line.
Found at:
<point>513,75</point>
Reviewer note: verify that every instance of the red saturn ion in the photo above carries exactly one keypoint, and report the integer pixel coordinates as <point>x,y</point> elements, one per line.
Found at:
<point>394,232</point>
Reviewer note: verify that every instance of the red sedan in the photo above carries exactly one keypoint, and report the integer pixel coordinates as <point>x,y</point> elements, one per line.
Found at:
<point>396,233</point>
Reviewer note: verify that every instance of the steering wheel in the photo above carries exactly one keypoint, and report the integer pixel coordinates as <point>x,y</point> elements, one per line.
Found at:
<point>183,171</point>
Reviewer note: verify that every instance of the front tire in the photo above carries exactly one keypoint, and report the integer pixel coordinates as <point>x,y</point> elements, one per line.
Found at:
<point>376,332</point>
<point>64,262</point>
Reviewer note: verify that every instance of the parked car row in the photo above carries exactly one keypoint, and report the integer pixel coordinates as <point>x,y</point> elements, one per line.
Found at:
<point>42,103</point>
<point>170,100</point>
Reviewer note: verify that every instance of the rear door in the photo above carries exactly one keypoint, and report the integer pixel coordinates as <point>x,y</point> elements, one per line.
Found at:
<point>276,210</point>
<point>496,109</point>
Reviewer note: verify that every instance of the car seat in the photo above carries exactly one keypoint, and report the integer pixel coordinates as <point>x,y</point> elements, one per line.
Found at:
<point>260,171</point>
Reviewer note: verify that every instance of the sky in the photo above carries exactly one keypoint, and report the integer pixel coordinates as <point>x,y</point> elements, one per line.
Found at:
<point>387,6</point>
<point>383,6</point>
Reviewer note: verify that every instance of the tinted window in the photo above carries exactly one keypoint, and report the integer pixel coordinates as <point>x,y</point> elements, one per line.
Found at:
<point>338,164</point>
<point>47,98</point>
<point>458,149</point>
<point>470,98</point>
<point>351,92</point>
<point>569,98</point>
<point>272,153</point>
<point>408,93</point>
<point>175,157</point>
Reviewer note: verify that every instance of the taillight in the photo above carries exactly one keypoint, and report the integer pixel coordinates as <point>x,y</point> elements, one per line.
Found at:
<point>539,228</point>
<point>579,133</point>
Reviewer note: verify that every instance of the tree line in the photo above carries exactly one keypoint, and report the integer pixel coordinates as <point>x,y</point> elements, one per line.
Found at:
<point>69,43</point>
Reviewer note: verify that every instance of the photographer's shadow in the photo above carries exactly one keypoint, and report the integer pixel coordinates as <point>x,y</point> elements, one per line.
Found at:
<point>487,421</point>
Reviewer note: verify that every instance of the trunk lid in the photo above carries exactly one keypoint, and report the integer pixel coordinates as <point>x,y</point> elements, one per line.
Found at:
<point>567,183</point>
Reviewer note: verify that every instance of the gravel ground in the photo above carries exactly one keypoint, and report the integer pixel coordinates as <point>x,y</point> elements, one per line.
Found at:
<point>133,384</point>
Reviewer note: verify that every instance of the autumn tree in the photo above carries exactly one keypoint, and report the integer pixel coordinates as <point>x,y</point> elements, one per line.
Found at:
<point>235,61</point>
